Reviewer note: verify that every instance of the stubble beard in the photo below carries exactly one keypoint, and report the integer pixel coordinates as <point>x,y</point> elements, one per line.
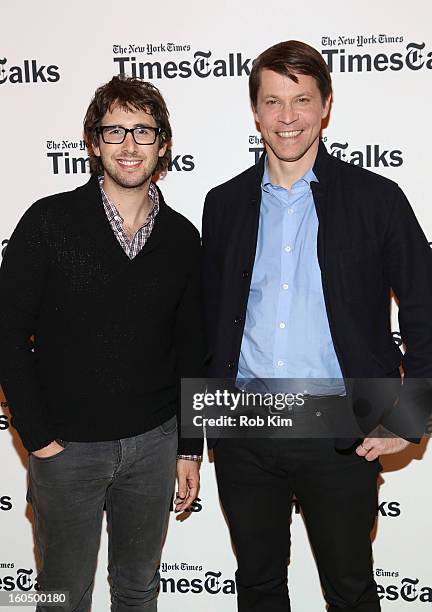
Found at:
<point>123,183</point>
<point>295,156</point>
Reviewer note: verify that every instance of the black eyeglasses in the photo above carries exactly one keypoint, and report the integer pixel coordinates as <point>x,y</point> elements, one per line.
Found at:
<point>115,134</point>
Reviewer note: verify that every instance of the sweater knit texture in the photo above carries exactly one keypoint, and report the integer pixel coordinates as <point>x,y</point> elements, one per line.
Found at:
<point>112,336</point>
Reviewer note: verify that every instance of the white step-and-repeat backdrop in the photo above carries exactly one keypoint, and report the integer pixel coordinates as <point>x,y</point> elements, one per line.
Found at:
<point>199,53</point>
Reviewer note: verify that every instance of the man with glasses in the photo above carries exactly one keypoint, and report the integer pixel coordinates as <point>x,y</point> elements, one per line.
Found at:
<point>105,278</point>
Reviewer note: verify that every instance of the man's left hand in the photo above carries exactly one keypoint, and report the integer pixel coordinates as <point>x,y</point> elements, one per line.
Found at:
<point>372,448</point>
<point>188,483</point>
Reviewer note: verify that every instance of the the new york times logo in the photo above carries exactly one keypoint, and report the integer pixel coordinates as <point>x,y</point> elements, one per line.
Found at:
<point>5,503</point>
<point>149,48</point>
<point>22,580</point>
<point>360,40</point>
<point>28,71</point>
<point>202,65</point>
<point>65,158</point>
<point>414,57</point>
<point>406,590</point>
<point>369,156</point>
<point>61,154</point>
<point>210,583</point>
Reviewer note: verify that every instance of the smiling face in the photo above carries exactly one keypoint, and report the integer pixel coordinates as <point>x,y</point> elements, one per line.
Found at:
<point>289,115</point>
<point>128,165</point>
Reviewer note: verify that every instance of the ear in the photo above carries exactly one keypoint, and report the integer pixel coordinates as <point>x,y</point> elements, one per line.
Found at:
<point>95,146</point>
<point>162,150</point>
<point>254,112</point>
<point>326,107</point>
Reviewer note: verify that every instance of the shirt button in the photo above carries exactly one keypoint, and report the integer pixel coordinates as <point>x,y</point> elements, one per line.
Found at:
<point>280,362</point>
<point>282,325</point>
<point>245,274</point>
<point>231,364</point>
<point>285,286</point>
<point>288,248</point>
<point>290,211</point>
<point>238,320</point>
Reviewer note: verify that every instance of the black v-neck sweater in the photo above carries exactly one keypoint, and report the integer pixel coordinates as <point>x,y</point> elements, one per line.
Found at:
<point>112,336</point>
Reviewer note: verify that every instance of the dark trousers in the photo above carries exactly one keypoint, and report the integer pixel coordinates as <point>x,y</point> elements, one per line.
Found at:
<point>134,479</point>
<point>338,496</point>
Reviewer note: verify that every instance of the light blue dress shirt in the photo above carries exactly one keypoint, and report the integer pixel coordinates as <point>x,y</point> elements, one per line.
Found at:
<point>286,333</point>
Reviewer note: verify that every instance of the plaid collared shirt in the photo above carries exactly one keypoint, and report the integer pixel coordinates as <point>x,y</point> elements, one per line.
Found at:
<point>131,246</point>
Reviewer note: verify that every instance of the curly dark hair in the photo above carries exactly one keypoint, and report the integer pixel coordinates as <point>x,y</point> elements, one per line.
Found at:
<point>127,93</point>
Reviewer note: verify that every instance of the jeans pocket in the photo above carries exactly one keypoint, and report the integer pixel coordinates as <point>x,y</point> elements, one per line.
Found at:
<point>62,442</point>
<point>59,441</point>
<point>169,427</point>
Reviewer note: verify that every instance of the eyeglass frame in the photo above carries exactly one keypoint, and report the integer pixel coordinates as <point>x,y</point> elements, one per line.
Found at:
<point>157,132</point>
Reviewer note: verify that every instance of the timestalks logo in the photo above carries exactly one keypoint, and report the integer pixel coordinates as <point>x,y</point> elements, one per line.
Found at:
<point>22,580</point>
<point>407,590</point>
<point>385,508</point>
<point>5,503</point>
<point>413,57</point>
<point>370,156</point>
<point>3,246</point>
<point>64,163</point>
<point>202,66</point>
<point>29,71</point>
<point>4,421</point>
<point>210,583</point>
<point>397,338</point>
<point>391,508</point>
<point>196,506</point>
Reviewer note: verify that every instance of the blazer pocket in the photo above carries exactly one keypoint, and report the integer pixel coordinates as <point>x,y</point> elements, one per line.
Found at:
<point>361,270</point>
<point>390,359</point>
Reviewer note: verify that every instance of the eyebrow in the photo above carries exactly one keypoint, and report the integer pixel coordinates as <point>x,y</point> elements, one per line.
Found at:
<point>136,125</point>
<point>299,95</point>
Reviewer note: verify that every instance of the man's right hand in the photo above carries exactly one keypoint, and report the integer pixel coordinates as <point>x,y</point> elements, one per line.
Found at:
<point>48,451</point>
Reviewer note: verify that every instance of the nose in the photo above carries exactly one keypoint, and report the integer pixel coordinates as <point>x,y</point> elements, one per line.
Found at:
<point>288,114</point>
<point>129,143</point>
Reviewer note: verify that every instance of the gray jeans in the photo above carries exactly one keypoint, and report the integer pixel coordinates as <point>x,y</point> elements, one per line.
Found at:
<point>134,480</point>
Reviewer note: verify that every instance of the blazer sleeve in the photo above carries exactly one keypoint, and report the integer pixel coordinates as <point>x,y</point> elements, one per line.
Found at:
<point>408,268</point>
<point>211,275</point>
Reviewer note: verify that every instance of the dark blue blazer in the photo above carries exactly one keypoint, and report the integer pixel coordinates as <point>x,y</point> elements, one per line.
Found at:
<point>369,244</point>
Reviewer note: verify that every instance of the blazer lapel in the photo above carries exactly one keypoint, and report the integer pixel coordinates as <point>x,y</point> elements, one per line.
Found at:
<point>249,221</point>
<point>241,223</point>
<point>320,196</point>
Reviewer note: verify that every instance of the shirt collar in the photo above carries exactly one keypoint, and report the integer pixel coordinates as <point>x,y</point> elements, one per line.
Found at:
<point>111,209</point>
<point>267,185</point>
